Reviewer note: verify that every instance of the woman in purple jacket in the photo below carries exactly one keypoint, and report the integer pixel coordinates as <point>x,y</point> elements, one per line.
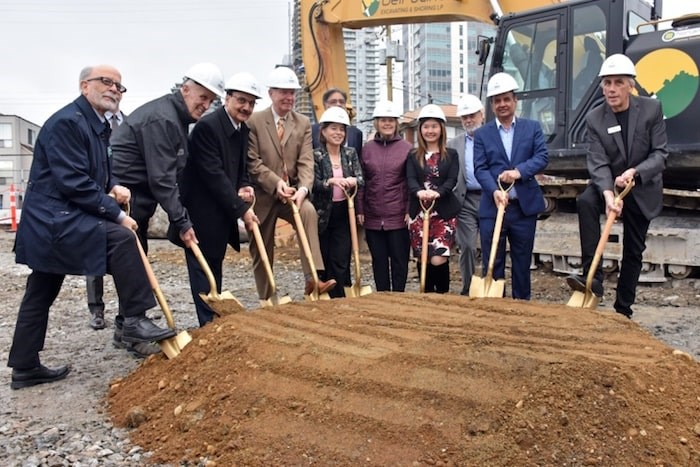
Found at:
<point>382,204</point>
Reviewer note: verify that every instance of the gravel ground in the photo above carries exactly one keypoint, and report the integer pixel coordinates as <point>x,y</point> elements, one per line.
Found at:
<point>66,423</point>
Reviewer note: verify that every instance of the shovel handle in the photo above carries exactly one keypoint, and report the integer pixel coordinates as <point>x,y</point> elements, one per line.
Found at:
<point>600,248</point>
<point>213,290</point>
<point>301,233</point>
<point>350,195</point>
<point>424,243</point>
<point>154,285</point>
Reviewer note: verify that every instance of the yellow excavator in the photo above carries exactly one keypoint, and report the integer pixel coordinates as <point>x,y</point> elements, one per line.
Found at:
<point>554,50</point>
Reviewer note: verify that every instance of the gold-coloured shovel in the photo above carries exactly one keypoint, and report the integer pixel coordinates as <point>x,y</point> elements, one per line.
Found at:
<point>172,346</point>
<point>274,299</point>
<point>223,303</point>
<point>486,286</point>
<point>357,289</point>
<point>301,233</point>
<point>424,243</point>
<point>588,299</point>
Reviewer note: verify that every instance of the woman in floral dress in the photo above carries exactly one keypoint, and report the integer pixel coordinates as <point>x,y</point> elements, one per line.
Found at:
<point>432,171</point>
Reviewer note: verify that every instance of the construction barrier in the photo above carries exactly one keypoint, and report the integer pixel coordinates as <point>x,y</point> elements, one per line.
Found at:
<point>13,209</point>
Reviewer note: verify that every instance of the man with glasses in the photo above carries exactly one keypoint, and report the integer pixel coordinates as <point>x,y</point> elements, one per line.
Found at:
<point>335,97</point>
<point>215,186</point>
<point>150,150</point>
<point>71,225</point>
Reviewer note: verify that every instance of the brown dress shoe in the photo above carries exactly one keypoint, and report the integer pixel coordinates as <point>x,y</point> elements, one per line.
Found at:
<point>323,287</point>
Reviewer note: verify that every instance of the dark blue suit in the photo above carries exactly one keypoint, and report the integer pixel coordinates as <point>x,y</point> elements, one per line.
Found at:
<point>529,156</point>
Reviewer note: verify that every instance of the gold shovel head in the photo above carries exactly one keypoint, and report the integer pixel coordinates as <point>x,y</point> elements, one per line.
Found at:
<point>170,347</point>
<point>315,296</point>
<point>583,300</point>
<point>357,290</point>
<point>481,287</point>
<point>224,304</point>
<point>275,300</point>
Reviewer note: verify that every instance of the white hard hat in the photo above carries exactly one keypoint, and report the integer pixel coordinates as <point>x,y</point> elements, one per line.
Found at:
<point>244,82</point>
<point>500,83</point>
<point>283,78</point>
<point>385,109</point>
<point>335,115</point>
<point>432,111</point>
<point>469,104</point>
<point>207,75</point>
<point>617,64</point>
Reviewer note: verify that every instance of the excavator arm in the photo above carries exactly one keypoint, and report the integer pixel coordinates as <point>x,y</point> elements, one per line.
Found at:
<point>322,23</point>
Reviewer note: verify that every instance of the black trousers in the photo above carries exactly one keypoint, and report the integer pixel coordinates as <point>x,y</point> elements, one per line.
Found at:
<point>95,290</point>
<point>142,206</point>
<point>130,280</point>
<point>336,246</point>
<point>390,250</point>
<point>200,284</point>
<point>591,206</point>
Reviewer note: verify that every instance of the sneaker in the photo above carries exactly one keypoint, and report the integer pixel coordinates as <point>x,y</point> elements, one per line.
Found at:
<point>578,283</point>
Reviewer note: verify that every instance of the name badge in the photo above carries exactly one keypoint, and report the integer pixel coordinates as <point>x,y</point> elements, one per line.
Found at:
<point>614,129</point>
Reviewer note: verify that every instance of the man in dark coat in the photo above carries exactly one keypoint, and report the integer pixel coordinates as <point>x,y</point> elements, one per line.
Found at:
<point>215,185</point>
<point>70,225</point>
<point>627,142</point>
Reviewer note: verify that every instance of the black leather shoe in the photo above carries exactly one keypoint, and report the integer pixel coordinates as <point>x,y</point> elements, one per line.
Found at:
<point>142,329</point>
<point>98,320</point>
<point>578,283</point>
<point>38,375</point>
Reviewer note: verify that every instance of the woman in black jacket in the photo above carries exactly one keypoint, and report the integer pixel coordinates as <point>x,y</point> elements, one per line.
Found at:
<point>336,171</point>
<point>432,171</point>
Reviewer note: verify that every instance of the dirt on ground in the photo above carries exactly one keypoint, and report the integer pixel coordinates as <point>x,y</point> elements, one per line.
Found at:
<point>409,379</point>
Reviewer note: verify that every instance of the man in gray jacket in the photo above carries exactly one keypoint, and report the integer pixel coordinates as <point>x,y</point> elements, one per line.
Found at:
<point>149,151</point>
<point>468,191</point>
<point>627,142</point>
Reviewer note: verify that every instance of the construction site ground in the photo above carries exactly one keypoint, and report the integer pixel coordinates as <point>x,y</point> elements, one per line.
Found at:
<point>385,379</point>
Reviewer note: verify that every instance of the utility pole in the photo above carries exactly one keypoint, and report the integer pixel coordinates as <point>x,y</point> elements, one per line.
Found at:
<point>389,69</point>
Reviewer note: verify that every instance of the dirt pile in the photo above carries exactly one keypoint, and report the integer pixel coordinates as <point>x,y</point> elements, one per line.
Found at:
<point>405,379</point>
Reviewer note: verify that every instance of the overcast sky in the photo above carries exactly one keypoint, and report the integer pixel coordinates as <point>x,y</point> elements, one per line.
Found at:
<point>45,43</point>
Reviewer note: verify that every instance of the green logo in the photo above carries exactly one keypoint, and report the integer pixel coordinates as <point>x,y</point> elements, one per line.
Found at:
<point>370,7</point>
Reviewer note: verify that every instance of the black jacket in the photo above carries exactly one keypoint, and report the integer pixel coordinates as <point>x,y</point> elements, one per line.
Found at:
<point>149,152</point>
<point>447,205</point>
<point>215,170</point>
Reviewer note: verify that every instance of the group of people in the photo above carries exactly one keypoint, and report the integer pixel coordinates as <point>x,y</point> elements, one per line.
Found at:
<point>91,161</point>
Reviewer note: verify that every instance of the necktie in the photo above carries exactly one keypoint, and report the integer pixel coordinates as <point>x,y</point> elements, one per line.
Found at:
<point>280,128</point>
<point>280,135</point>
<point>114,122</point>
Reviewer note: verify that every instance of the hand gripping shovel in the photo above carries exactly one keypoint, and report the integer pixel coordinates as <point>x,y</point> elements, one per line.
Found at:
<point>357,289</point>
<point>274,299</point>
<point>588,299</point>
<point>486,286</point>
<point>223,303</point>
<point>172,346</point>
<point>424,243</point>
<point>301,233</point>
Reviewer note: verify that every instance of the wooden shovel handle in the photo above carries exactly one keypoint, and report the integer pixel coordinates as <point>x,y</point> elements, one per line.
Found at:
<point>353,230</point>
<point>154,285</point>
<point>424,243</point>
<point>213,289</point>
<point>301,233</point>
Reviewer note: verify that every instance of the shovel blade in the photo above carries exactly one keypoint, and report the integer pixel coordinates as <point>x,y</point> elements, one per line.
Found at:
<point>275,300</point>
<point>583,300</point>
<point>481,287</point>
<point>223,304</point>
<point>170,347</point>
<point>315,296</point>
<point>357,290</point>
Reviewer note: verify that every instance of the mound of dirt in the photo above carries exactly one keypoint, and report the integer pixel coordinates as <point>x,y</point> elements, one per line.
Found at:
<point>408,379</point>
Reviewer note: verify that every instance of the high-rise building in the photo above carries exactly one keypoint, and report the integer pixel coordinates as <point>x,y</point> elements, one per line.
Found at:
<point>362,58</point>
<point>442,63</point>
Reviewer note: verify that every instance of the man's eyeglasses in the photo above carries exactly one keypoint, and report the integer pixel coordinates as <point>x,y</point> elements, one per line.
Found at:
<point>109,83</point>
